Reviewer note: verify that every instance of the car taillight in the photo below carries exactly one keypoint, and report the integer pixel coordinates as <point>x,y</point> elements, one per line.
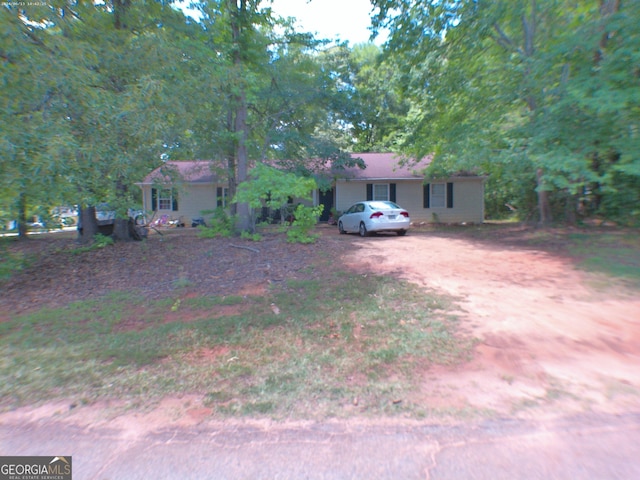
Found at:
<point>405,214</point>
<point>376,215</point>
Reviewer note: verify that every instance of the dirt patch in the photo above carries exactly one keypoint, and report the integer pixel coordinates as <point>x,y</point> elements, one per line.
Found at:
<point>547,337</point>
<point>550,338</point>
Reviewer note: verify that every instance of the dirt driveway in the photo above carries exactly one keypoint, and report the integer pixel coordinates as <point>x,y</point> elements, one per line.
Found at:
<point>551,339</point>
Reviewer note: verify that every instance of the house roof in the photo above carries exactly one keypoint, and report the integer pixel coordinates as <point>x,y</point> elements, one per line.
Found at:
<point>195,171</point>
<point>385,166</point>
<point>378,166</point>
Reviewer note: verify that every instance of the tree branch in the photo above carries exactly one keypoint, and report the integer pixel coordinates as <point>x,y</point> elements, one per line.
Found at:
<point>504,41</point>
<point>245,248</point>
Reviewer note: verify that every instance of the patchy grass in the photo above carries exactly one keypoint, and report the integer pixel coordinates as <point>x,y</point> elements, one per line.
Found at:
<point>334,346</point>
<point>616,254</point>
<point>11,262</point>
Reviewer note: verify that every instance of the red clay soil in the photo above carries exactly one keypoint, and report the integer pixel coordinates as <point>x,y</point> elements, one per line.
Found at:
<point>551,338</point>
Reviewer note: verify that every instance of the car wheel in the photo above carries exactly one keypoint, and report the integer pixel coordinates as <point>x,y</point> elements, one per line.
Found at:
<point>341,228</point>
<point>363,230</point>
<point>402,233</point>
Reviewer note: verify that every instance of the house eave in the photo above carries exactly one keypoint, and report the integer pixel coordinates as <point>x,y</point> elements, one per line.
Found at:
<point>457,178</point>
<point>152,184</point>
<point>377,179</point>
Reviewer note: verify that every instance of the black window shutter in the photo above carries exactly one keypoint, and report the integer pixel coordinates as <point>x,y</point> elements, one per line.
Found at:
<point>219,197</point>
<point>174,197</point>
<point>449,195</point>
<point>154,199</point>
<point>369,191</point>
<point>392,192</point>
<point>425,195</point>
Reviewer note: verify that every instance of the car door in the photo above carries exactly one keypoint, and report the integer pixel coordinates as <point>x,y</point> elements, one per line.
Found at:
<point>348,219</point>
<point>358,216</point>
<point>355,217</point>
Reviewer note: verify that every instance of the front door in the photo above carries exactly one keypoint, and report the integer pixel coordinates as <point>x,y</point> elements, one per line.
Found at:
<point>326,198</point>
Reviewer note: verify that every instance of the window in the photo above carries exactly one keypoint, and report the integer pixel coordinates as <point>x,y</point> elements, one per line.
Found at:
<point>381,191</point>
<point>438,194</point>
<point>165,200</point>
<point>222,197</point>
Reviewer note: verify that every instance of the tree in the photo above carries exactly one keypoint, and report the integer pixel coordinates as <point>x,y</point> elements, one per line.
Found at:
<point>519,88</point>
<point>34,133</point>
<point>274,95</point>
<point>244,47</point>
<point>366,105</point>
<point>98,119</point>
<point>271,188</point>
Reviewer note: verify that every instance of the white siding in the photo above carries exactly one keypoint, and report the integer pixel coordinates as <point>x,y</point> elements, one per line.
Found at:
<point>196,198</point>
<point>409,196</point>
<point>468,199</point>
<point>348,193</point>
<point>191,201</point>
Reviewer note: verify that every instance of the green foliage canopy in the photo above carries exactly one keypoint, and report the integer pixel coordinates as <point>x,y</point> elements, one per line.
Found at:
<point>542,93</point>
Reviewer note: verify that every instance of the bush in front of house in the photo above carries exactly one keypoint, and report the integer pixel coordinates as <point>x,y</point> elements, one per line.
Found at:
<point>220,225</point>
<point>305,219</point>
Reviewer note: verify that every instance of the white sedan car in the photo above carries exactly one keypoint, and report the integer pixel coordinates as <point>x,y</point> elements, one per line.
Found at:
<point>374,216</point>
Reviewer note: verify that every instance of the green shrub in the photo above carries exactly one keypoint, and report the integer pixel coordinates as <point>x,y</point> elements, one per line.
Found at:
<point>220,225</point>
<point>305,220</point>
<point>254,237</point>
<point>101,241</point>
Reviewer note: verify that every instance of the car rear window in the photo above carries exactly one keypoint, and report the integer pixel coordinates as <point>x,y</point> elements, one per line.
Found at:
<point>382,205</point>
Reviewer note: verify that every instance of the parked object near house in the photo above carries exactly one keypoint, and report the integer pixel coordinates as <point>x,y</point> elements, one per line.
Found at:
<point>371,217</point>
<point>106,216</point>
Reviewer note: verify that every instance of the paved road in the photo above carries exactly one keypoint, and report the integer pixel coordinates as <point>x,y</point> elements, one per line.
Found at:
<point>594,446</point>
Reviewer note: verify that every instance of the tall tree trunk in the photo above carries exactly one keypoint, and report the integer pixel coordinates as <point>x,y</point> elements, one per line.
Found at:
<point>231,164</point>
<point>238,13</point>
<point>22,216</point>
<point>87,225</point>
<point>529,33</point>
<point>121,226</point>
<point>243,210</point>
<point>544,207</point>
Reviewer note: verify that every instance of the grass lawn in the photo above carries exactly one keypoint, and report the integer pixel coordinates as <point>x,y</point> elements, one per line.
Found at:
<point>307,348</point>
